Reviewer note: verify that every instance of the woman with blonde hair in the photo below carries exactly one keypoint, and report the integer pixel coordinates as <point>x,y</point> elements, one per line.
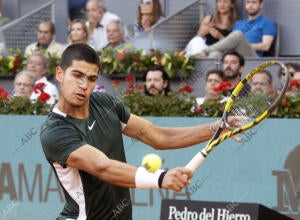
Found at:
<point>214,27</point>
<point>78,32</point>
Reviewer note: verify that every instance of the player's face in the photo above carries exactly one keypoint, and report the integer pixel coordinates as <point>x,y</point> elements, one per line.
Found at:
<point>231,67</point>
<point>77,83</point>
<point>260,83</point>
<point>155,83</point>
<point>253,7</point>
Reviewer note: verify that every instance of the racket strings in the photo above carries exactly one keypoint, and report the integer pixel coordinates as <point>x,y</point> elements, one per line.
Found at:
<point>251,105</point>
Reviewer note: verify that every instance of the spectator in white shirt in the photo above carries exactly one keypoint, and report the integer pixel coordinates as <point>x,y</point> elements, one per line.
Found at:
<point>98,18</point>
<point>37,63</point>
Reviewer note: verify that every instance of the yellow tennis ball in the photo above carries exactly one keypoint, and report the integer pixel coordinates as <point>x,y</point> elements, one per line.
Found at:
<point>151,162</point>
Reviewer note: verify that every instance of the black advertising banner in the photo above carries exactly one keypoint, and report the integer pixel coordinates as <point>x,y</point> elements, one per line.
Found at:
<point>204,210</point>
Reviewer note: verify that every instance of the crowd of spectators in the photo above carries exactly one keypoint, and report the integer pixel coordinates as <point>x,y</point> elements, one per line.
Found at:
<point>214,27</point>
<point>250,37</point>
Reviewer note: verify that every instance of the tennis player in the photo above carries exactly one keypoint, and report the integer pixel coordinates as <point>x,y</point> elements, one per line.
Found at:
<point>82,140</point>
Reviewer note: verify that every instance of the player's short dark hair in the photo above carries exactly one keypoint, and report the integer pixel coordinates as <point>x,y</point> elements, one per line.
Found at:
<point>79,52</point>
<point>234,53</point>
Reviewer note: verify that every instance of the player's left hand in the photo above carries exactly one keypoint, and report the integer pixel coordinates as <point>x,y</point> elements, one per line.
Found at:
<point>232,123</point>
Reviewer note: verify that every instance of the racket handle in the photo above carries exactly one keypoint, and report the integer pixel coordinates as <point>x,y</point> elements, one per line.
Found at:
<point>196,161</point>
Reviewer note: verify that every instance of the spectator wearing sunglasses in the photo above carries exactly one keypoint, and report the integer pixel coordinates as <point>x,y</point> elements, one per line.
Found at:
<point>149,13</point>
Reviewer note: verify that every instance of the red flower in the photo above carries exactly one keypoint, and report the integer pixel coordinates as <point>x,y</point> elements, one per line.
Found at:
<point>198,109</point>
<point>129,79</point>
<point>131,86</point>
<point>224,86</point>
<point>294,83</point>
<point>121,55</point>
<point>17,63</point>
<point>136,58</point>
<point>140,88</point>
<point>39,87</point>
<point>3,94</point>
<point>286,104</point>
<point>186,88</point>
<point>100,87</point>
<point>128,91</point>
<point>44,97</point>
<point>115,82</point>
<point>2,90</point>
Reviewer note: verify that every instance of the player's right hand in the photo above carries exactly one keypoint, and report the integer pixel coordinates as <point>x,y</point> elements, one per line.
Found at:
<point>176,179</point>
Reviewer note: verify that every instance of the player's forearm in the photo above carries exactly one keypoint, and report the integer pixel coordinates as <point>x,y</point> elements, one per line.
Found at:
<point>125,175</point>
<point>173,138</point>
<point>116,172</point>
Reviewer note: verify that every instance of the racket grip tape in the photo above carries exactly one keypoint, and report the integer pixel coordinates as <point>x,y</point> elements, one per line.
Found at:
<point>196,161</point>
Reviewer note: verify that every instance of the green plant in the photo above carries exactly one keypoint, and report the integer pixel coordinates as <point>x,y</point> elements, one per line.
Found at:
<point>289,108</point>
<point>176,103</point>
<point>210,108</point>
<point>23,105</point>
<point>12,62</point>
<point>290,105</point>
<point>53,62</point>
<point>131,61</point>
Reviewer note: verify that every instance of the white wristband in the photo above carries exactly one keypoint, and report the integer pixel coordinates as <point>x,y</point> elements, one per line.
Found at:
<point>147,180</point>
